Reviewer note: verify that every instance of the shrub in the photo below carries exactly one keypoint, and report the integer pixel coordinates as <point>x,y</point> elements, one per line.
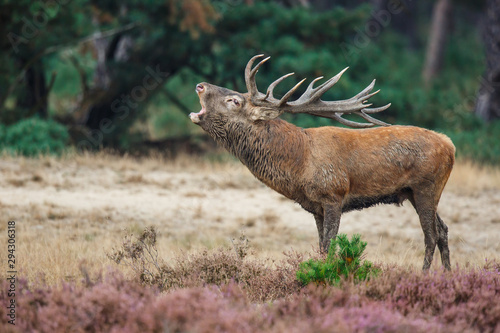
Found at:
<point>110,303</point>
<point>34,136</point>
<point>344,263</point>
<point>470,298</point>
<point>262,279</point>
<point>141,255</point>
<point>396,301</point>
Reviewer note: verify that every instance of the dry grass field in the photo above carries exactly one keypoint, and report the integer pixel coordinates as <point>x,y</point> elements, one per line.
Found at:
<point>71,211</point>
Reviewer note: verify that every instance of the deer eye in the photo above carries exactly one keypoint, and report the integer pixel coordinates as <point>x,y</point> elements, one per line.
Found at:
<point>234,101</point>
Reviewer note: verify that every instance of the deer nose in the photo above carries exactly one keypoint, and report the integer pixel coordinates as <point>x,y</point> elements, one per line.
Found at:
<point>200,88</point>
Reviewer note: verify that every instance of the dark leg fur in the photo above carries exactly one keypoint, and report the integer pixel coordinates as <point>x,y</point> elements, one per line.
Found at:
<point>428,224</point>
<point>319,224</point>
<point>435,231</point>
<point>331,224</point>
<point>426,211</point>
<point>442,242</point>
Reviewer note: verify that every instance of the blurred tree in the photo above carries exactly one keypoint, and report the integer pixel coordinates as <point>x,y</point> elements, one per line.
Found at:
<point>29,32</point>
<point>292,3</point>
<point>436,44</point>
<point>176,35</point>
<point>133,64</point>
<point>299,39</point>
<point>488,100</point>
<point>139,45</point>
<point>401,16</point>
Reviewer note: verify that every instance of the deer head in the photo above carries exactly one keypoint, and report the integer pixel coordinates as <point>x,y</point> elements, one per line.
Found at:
<point>221,105</point>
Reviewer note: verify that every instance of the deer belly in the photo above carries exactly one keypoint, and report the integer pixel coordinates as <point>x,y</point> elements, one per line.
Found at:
<point>361,202</point>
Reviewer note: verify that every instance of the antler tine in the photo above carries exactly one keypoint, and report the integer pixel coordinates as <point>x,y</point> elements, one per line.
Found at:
<point>310,86</point>
<point>250,74</point>
<point>365,91</point>
<point>285,98</point>
<point>343,121</point>
<point>273,85</point>
<point>306,96</point>
<point>320,90</point>
<point>311,94</point>
<point>371,119</point>
<point>366,97</point>
<point>256,68</point>
<point>375,110</point>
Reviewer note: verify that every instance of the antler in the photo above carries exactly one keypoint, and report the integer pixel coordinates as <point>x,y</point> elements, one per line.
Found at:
<point>310,101</point>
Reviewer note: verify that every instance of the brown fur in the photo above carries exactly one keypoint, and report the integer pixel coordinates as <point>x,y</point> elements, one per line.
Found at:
<point>331,170</point>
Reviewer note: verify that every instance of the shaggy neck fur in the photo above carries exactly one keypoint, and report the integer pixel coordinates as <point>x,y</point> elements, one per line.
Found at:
<point>272,150</point>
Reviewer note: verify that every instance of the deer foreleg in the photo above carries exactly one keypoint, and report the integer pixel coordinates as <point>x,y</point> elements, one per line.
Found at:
<point>319,224</point>
<point>331,224</point>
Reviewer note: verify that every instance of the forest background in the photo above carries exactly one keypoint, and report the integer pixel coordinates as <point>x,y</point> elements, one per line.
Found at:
<point>88,74</point>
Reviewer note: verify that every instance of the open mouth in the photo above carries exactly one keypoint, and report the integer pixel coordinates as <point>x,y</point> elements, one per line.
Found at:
<point>196,117</point>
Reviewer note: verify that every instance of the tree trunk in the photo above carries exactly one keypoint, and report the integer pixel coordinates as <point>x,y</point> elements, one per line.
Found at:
<point>119,91</point>
<point>402,17</point>
<point>34,95</point>
<point>488,99</point>
<point>107,87</point>
<point>295,3</point>
<point>441,17</point>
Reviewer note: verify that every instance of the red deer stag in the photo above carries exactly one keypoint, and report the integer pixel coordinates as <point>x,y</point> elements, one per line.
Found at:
<point>331,170</point>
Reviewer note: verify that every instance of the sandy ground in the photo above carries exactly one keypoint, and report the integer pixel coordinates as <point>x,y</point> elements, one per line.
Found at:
<point>74,210</point>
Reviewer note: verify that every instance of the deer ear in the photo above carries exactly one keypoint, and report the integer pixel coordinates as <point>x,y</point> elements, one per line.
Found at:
<point>264,114</point>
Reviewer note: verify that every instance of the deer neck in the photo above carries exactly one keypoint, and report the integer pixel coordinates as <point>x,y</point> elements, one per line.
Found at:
<point>274,151</point>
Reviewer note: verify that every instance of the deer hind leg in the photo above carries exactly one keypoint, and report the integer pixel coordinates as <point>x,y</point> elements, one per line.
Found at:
<point>426,210</point>
<point>442,242</point>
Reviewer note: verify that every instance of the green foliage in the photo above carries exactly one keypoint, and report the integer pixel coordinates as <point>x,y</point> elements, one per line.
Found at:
<point>164,39</point>
<point>211,40</point>
<point>34,136</point>
<point>29,30</point>
<point>344,260</point>
<point>300,40</point>
<point>446,103</point>
<point>12,116</point>
<point>480,145</point>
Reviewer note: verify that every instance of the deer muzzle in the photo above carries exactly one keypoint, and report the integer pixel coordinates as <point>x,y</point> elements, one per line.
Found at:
<point>196,117</point>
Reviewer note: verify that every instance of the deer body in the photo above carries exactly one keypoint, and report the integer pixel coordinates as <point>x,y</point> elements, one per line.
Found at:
<point>331,170</point>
